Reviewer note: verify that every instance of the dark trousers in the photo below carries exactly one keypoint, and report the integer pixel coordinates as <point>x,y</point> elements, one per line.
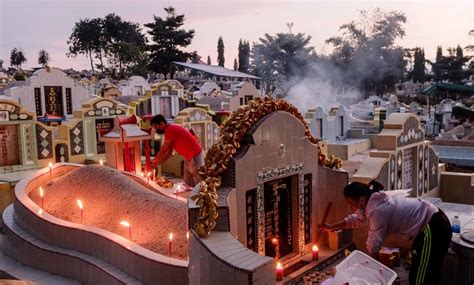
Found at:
<point>429,249</point>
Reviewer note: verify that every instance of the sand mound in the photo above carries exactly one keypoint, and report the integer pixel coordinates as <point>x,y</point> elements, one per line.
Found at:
<point>110,197</point>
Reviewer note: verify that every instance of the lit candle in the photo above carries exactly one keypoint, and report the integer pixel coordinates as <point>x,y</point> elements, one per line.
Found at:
<point>127,225</point>
<point>279,271</point>
<point>275,247</point>
<point>101,162</point>
<point>178,189</point>
<point>41,192</point>
<point>50,165</point>
<point>148,177</point>
<point>315,251</point>
<point>171,241</point>
<point>187,236</point>
<point>79,203</point>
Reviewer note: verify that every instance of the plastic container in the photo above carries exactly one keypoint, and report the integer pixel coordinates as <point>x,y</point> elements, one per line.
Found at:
<point>456,225</point>
<point>358,258</point>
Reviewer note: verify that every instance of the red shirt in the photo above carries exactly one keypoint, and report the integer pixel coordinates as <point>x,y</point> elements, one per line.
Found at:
<point>182,141</point>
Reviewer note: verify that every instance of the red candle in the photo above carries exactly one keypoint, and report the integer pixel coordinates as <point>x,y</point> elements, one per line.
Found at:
<point>41,192</point>
<point>279,271</point>
<point>81,207</point>
<point>127,225</point>
<point>50,165</point>
<point>315,251</point>
<point>171,241</point>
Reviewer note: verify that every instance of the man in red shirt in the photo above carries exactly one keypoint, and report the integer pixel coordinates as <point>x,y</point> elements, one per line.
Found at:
<point>184,143</point>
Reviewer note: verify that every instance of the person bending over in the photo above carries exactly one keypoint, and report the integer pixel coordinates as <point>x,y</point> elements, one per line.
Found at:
<point>183,142</point>
<point>411,219</point>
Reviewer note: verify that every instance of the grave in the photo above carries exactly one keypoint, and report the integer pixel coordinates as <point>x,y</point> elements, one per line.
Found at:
<point>271,196</point>
<point>403,159</point>
<point>51,91</point>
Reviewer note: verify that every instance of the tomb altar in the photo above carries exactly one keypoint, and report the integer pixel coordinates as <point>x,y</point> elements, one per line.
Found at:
<point>261,186</point>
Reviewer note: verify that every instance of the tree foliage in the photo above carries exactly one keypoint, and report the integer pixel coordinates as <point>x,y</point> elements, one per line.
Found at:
<point>236,65</point>
<point>419,66</point>
<point>366,52</point>
<point>43,58</point>
<point>118,45</point>
<point>277,58</point>
<point>167,40</point>
<point>17,57</point>
<point>220,52</point>
<point>86,39</point>
<point>209,60</point>
<point>451,67</point>
<point>244,56</point>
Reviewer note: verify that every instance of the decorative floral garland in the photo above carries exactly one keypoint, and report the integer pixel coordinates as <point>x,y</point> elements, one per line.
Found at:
<point>220,154</point>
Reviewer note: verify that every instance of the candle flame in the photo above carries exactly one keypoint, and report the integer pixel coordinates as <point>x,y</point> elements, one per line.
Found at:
<point>149,173</point>
<point>315,248</point>
<point>187,235</point>
<point>79,203</point>
<point>101,162</point>
<point>141,174</point>
<point>41,192</point>
<point>125,224</point>
<point>279,266</point>
<point>171,236</point>
<point>274,240</point>
<point>50,164</point>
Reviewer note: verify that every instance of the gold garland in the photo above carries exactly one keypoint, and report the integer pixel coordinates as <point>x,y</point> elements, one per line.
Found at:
<point>220,154</point>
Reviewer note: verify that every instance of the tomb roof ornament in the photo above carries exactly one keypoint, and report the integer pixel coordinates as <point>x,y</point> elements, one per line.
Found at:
<point>220,154</point>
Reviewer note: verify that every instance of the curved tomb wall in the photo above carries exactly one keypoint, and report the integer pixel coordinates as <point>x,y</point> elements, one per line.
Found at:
<point>135,260</point>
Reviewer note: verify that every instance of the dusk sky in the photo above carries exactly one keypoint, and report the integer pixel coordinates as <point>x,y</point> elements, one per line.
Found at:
<point>36,24</point>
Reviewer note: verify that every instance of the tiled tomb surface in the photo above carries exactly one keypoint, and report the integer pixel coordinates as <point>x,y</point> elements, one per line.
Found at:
<point>86,254</point>
<point>275,165</point>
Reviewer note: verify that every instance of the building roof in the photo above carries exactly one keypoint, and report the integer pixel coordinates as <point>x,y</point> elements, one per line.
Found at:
<point>216,70</point>
<point>457,88</point>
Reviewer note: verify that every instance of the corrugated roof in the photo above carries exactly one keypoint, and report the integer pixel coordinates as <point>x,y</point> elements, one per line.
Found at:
<point>216,70</point>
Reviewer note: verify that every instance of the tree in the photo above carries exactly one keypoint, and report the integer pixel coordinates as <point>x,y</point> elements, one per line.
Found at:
<point>43,58</point>
<point>450,67</point>
<point>1,64</point>
<point>278,58</point>
<point>419,66</point>
<point>236,65</point>
<point>123,44</point>
<point>17,57</point>
<point>244,56</point>
<point>366,51</point>
<point>220,52</point>
<point>168,38</point>
<point>208,60</point>
<point>439,65</point>
<point>87,39</point>
<point>119,44</point>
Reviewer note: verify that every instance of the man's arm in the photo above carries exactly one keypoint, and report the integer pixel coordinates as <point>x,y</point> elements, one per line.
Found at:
<point>165,153</point>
